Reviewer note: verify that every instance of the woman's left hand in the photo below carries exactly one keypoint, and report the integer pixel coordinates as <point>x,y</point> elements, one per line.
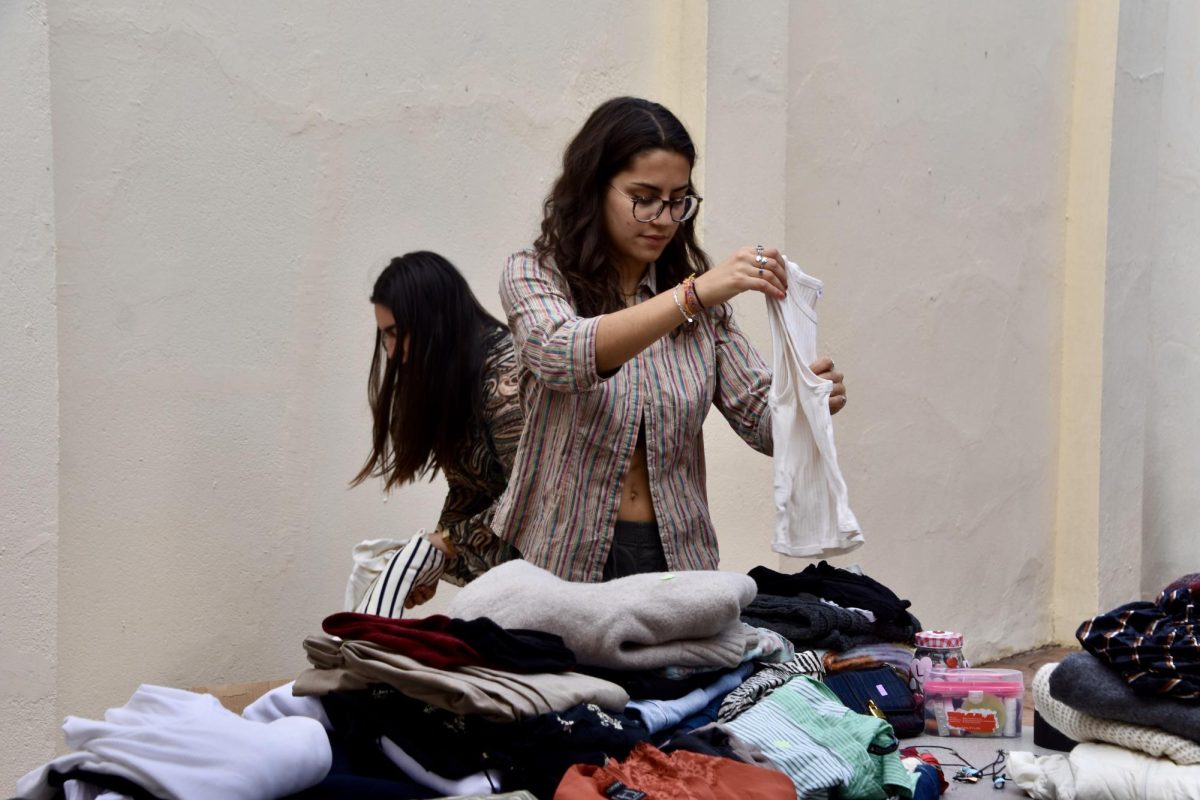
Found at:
<point>420,595</point>
<point>824,369</point>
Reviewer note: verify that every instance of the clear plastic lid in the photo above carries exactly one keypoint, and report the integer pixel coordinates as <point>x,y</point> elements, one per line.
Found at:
<point>1003,682</point>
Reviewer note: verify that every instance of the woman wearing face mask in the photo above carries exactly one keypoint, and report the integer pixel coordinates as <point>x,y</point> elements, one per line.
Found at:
<point>443,393</point>
<point>621,354</point>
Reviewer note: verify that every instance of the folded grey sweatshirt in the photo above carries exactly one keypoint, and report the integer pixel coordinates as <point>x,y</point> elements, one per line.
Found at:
<point>640,622</point>
<point>1087,684</point>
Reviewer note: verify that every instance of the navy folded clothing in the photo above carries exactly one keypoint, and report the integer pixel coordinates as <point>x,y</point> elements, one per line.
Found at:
<point>533,753</point>
<point>847,589</point>
<point>1087,684</point>
<point>1151,645</point>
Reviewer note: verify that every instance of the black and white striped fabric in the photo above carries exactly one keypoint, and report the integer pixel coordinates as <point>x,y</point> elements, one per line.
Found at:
<point>767,680</point>
<point>418,563</point>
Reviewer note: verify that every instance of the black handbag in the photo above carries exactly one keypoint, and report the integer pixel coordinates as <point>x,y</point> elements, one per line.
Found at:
<point>882,693</point>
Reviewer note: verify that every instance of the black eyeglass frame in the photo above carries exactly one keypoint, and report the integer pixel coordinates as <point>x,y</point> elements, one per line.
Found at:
<point>662,204</point>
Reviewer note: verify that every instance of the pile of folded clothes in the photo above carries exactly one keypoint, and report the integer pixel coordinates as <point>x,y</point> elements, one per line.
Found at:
<point>658,684</point>
<point>1131,701</point>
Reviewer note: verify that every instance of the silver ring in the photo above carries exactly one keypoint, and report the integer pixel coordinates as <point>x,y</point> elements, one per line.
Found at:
<point>758,249</point>
<point>760,259</point>
<point>760,272</point>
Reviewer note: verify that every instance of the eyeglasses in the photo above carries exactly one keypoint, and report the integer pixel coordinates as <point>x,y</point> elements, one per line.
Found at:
<point>648,209</point>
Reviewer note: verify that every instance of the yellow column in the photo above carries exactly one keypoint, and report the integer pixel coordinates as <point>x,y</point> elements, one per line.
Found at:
<point>1077,524</point>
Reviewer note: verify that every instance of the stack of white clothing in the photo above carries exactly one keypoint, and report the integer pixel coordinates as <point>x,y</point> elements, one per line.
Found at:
<point>181,745</point>
<point>280,702</point>
<point>813,516</point>
<point>1115,760</point>
<point>1103,771</point>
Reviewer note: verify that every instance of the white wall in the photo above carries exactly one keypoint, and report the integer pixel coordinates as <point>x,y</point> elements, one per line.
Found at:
<point>29,478</point>
<point>892,159</point>
<point>926,175</point>
<point>1137,111</point>
<point>915,162</point>
<point>744,201</point>
<point>231,180</point>
<point>1171,544</point>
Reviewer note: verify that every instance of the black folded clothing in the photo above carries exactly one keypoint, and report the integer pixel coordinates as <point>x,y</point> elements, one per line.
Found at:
<point>847,589</point>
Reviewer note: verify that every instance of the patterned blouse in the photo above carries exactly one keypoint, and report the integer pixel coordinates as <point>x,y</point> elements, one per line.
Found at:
<point>475,486</point>
<point>581,428</point>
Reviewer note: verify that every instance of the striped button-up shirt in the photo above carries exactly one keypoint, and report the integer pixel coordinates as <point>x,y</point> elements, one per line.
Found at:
<point>581,429</point>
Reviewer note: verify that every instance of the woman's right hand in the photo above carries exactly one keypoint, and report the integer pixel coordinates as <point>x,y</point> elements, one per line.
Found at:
<point>741,272</point>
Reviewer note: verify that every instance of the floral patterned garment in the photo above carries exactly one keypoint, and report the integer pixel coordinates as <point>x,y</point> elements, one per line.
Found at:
<point>476,485</point>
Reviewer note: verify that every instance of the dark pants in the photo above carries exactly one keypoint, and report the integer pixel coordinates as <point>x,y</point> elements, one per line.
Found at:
<point>636,548</point>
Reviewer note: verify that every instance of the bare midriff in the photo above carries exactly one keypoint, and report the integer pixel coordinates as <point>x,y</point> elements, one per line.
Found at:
<point>636,505</point>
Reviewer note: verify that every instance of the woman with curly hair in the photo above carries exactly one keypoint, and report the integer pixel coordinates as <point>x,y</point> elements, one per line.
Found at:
<point>624,340</point>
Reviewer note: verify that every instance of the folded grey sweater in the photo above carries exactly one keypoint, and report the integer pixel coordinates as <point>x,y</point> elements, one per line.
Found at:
<point>1087,684</point>
<point>639,622</point>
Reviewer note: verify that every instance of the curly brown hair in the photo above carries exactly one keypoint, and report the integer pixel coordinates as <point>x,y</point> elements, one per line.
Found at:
<point>573,235</point>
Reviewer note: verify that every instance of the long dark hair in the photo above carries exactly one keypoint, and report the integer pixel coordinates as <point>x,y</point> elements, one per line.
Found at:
<point>426,405</point>
<point>573,232</point>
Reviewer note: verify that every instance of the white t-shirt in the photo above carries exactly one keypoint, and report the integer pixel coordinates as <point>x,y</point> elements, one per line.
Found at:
<point>812,513</point>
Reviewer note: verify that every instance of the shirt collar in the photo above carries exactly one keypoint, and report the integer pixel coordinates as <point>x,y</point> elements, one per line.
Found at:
<point>648,281</point>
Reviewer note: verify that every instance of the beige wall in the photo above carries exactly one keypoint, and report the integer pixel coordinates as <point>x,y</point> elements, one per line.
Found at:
<point>1128,468</point>
<point>228,178</point>
<point>1171,510</point>
<point>927,166</point>
<point>29,477</point>
<point>231,180</point>
<point>1077,514</point>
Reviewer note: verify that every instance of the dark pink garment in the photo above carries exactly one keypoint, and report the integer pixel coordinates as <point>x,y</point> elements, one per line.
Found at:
<point>425,639</point>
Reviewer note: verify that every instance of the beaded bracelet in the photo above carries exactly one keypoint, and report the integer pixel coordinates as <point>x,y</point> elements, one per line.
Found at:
<point>689,295</point>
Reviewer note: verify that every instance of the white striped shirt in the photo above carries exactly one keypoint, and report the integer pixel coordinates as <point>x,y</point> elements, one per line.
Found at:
<point>581,429</point>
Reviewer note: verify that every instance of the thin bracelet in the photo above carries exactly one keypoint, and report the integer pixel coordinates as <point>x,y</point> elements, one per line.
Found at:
<point>679,305</point>
<point>451,551</point>
<point>696,295</point>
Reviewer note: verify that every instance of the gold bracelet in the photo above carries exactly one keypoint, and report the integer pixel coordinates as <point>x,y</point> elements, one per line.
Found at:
<point>451,551</point>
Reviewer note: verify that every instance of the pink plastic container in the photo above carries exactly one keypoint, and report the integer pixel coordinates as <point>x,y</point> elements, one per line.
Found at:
<point>974,702</point>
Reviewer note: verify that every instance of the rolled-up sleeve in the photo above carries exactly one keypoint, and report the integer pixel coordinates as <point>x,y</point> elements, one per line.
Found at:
<point>555,344</point>
<point>743,385</point>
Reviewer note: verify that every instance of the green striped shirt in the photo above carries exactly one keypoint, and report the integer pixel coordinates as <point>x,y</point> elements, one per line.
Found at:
<point>809,733</point>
